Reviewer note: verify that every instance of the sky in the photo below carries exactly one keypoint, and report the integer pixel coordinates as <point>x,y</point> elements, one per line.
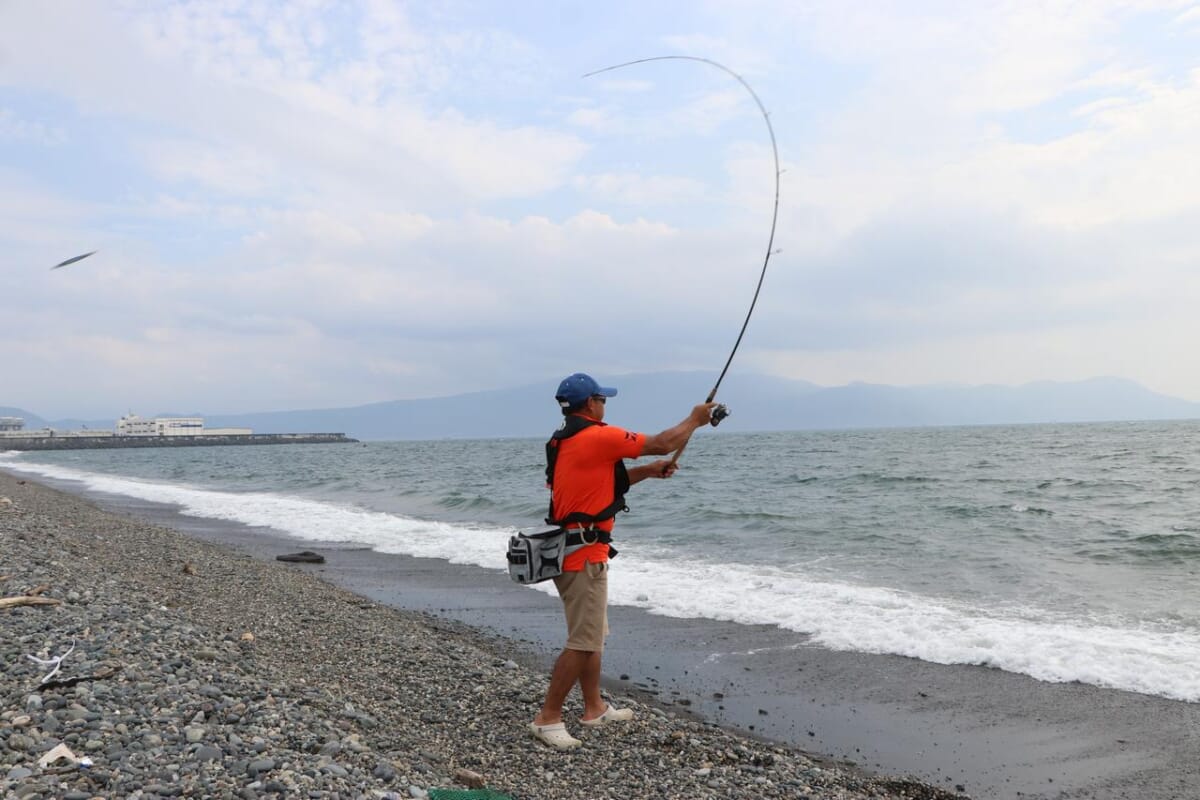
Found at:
<point>315,204</point>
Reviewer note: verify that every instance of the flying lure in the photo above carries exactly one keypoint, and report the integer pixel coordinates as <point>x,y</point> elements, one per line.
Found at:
<point>73,260</point>
<point>720,412</point>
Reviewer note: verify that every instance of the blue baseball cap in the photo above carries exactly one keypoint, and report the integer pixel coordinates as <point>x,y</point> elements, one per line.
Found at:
<point>576,389</point>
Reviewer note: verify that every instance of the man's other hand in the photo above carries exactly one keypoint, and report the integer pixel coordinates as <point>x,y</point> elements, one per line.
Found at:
<point>663,469</point>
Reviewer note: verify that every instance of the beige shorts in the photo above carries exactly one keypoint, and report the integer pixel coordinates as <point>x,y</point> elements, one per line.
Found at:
<point>585,602</point>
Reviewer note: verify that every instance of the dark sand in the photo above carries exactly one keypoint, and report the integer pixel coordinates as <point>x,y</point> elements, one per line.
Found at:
<point>989,733</point>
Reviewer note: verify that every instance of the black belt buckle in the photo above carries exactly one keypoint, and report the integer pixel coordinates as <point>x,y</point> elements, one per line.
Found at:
<point>583,532</point>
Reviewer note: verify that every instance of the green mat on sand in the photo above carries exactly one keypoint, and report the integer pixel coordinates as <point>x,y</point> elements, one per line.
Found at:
<point>466,794</point>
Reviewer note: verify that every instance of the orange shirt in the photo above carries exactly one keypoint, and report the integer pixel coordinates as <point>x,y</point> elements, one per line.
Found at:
<point>583,480</point>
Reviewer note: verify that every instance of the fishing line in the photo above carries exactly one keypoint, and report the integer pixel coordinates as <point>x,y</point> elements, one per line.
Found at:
<point>720,412</point>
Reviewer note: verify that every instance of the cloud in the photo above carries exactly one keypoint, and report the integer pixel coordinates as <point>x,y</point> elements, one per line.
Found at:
<point>232,170</point>
<point>13,128</point>
<point>335,124</point>
<point>327,204</point>
<point>633,85</point>
<point>633,189</point>
<point>1090,138</point>
<point>651,119</point>
<point>1189,18</point>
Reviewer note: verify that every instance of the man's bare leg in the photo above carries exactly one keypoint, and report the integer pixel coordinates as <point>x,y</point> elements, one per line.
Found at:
<point>568,670</point>
<point>589,684</point>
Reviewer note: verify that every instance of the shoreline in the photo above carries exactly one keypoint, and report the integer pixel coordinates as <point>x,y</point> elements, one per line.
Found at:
<point>202,671</point>
<point>973,729</point>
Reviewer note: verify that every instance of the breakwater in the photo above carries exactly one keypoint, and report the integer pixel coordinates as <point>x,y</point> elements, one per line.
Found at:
<point>200,440</point>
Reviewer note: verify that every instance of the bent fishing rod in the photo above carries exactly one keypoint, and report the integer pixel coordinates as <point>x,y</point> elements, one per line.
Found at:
<point>720,411</point>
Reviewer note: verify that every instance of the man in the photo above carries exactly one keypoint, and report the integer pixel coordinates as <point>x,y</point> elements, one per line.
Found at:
<point>588,480</point>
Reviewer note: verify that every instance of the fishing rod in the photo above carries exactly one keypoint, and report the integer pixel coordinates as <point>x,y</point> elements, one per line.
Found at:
<point>720,411</point>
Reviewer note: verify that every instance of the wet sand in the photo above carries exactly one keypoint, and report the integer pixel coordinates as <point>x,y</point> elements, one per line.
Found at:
<point>976,730</point>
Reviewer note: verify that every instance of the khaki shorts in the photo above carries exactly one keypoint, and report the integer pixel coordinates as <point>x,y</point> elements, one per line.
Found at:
<point>585,603</point>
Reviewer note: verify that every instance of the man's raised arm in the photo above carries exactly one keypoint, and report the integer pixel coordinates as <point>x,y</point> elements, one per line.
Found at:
<point>675,437</point>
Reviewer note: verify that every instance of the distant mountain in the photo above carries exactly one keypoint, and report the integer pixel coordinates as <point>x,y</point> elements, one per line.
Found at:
<point>651,402</point>
<point>648,402</point>
<point>861,405</point>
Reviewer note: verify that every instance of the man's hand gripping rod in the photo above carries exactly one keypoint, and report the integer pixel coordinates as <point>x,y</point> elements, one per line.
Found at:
<point>719,412</point>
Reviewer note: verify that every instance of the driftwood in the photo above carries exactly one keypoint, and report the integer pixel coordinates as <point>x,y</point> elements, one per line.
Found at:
<point>35,591</point>
<point>304,557</point>
<point>106,672</point>
<point>26,600</point>
<point>468,778</point>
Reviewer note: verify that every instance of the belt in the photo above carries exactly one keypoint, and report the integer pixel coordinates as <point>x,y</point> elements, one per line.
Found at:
<point>576,536</point>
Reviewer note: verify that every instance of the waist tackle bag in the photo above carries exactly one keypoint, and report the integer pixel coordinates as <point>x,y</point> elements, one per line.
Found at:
<point>536,557</point>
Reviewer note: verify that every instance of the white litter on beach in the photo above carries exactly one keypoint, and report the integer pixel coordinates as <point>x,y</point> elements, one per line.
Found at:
<point>55,662</point>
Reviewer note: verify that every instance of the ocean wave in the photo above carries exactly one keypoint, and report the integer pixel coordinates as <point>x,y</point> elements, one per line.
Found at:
<point>707,514</point>
<point>1022,509</point>
<point>965,512</point>
<point>462,500</point>
<point>1114,456</point>
<point>885,479</point>
<point>1180,547</point>
<point>1177,547</point>
<point>1121,654</point>
<point>303,518</point>
<point>840,616</point>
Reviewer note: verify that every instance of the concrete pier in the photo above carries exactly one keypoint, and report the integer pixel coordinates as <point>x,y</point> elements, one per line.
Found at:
<point>113,442</point>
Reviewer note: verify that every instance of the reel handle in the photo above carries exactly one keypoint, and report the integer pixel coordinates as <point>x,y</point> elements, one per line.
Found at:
<point>719,413</point>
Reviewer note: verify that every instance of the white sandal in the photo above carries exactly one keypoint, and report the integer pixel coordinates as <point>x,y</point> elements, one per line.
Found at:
<point>555,734</point>
<point>610,715</point>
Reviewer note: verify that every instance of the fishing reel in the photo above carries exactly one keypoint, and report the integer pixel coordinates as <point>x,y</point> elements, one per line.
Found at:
<point>720,412</point>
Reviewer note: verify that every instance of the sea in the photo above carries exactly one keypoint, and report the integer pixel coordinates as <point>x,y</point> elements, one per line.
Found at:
<point>1061,552</point>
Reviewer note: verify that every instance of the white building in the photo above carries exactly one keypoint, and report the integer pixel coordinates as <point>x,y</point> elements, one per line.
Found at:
<point>133,425</point>
<point>11,424</point>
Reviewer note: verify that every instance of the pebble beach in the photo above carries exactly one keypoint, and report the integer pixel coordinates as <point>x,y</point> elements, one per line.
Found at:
<point>198,671</point>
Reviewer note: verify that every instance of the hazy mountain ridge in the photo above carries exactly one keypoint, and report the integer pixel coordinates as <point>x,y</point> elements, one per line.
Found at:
<point>651,402</point>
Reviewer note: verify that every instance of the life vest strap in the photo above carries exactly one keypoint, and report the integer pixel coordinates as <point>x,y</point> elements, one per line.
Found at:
<point>585,536</point>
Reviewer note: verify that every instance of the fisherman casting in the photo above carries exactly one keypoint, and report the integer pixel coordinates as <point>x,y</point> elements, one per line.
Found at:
<point>588,479</point>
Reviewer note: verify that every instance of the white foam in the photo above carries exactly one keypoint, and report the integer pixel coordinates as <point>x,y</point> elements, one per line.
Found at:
<point>843,616</point>
<point>837,615</point>
<point>302,518</point>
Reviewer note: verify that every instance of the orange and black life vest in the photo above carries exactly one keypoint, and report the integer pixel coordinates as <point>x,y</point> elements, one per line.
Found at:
<point>572,425</point>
